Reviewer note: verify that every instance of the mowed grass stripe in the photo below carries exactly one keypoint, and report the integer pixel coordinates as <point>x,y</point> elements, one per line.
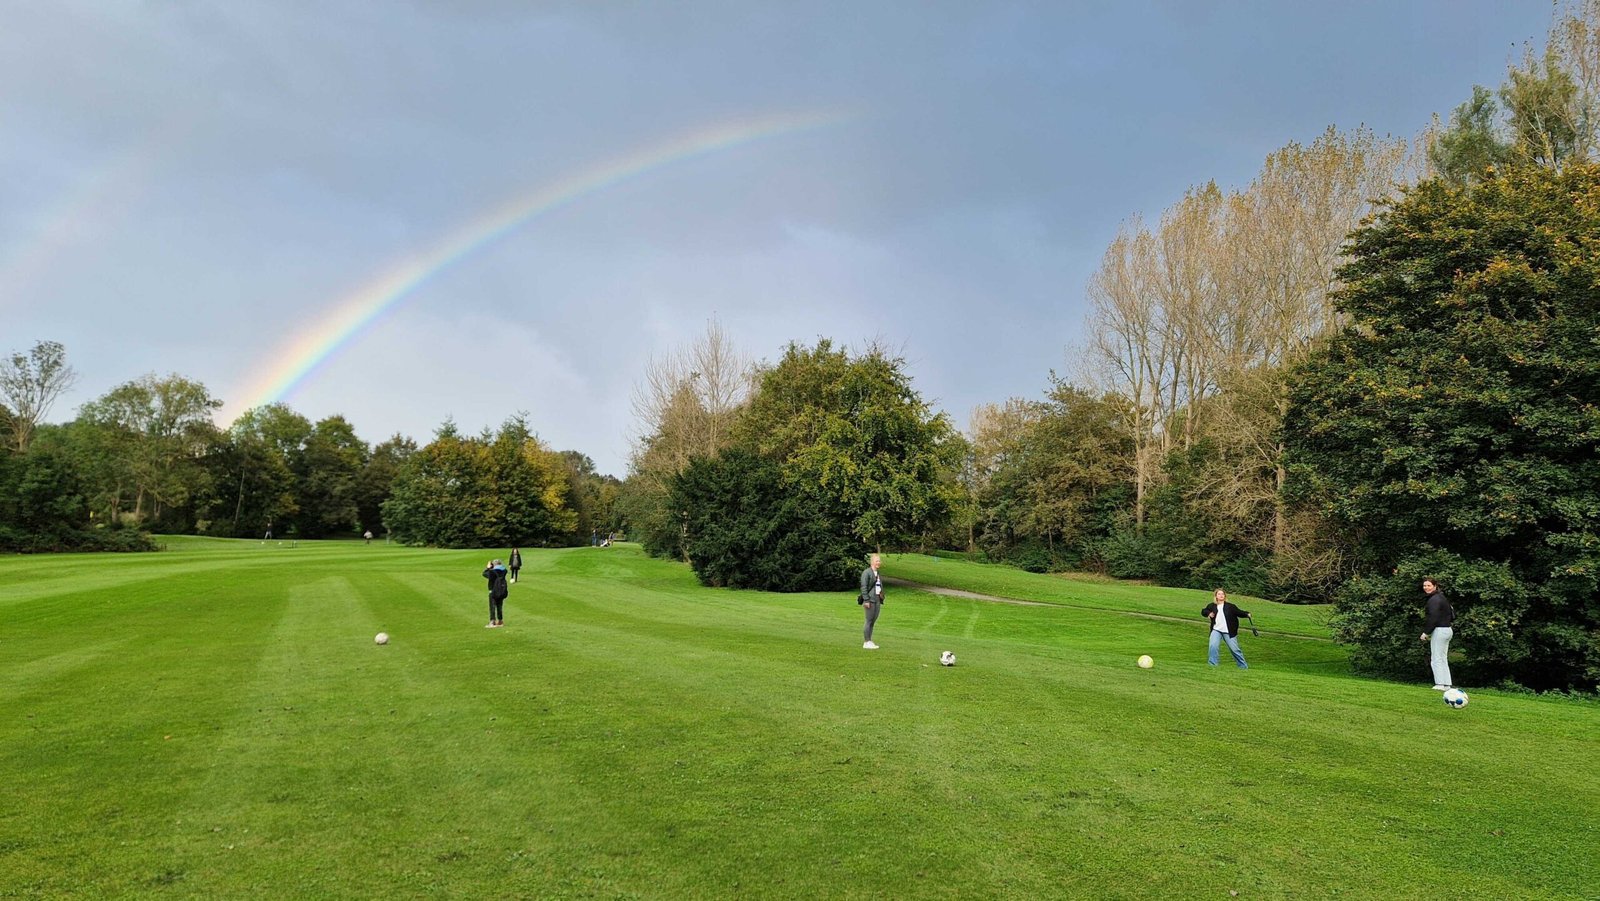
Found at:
<point>97,758</point>
<point>634,678</point>
<point>650,649</point>
<point>588,692</point>
<point>608,690</point>
<point>380,725</point>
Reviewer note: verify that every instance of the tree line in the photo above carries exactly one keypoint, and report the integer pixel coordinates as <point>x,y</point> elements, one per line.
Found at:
<point>148,456</point>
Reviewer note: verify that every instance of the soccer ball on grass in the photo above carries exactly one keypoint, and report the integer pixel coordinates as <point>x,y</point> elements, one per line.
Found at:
<point>948,658</point>
<point>383,638</point>
<point>1145,662</point>
<point>1456,698</point>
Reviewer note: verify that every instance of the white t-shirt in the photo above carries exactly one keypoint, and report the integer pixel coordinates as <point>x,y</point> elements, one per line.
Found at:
<point>1221,624</point>
<point>877,584</point>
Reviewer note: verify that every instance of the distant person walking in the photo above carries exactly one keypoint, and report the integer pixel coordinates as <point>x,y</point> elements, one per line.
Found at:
<point>1437,629</point>
<point>871,598</point>
<point>1224,616</point>
<point>516,564</point>
<point>495,572</point>
<point>368,536</point>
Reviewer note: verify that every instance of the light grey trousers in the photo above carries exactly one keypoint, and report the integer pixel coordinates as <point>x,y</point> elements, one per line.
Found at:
<point>1439,644</point>
<point>871,607</point>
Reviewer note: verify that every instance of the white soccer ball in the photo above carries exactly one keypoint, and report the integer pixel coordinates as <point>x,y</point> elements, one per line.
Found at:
<point>1456,698</point>
<point>383,638</point>
<point>1145,662</point>
<point>948,658</point>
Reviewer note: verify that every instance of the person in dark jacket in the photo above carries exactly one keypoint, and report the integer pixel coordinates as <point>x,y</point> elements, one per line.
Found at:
<point>516,564</point>
<point>495,573</point>
<point>1437,630</point>
<point>1224,616</point>
<point>871,598</point>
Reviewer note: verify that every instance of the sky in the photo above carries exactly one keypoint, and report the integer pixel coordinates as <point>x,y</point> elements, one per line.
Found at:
<point>414,210</point>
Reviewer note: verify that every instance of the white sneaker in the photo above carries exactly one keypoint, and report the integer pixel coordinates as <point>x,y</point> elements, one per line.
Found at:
<point>1441,688</point>
<point>870,646</point>
<point>490,626</point>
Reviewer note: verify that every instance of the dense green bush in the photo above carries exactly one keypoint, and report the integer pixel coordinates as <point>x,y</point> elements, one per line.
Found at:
<point>746,528</point>
<point>43,506</point>
<point>1129,555</point>
<point>1452,430</point>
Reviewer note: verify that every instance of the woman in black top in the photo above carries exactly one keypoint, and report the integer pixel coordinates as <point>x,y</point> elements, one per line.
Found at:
<point>1437,631</point>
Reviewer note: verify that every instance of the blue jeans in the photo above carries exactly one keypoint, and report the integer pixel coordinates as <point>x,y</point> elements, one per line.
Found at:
<point>1233,645</point>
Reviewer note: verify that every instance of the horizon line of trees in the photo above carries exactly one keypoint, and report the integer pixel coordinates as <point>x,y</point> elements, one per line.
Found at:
<point>148,456</point>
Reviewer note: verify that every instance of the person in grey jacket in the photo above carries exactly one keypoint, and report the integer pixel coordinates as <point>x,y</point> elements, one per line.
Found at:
<point>1437,630</point>
<point>871,598</point>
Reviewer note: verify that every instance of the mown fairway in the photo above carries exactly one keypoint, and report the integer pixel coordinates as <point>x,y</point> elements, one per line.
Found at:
<point>215,721</point>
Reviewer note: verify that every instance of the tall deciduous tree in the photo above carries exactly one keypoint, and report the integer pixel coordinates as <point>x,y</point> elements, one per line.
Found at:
<point>1129,339</point>
<point>327,487</point>
<point>1295,219</point>
<point>155,432</point>
<point>1056,477</point>
<point>835,454</point>
<point>1230,289</point>
<point>502,488</point>
<point>377,480</point>
<point>1575,42</point>
<point>1541,100</point>
<point>30,383</point>
<point>684,408</point>
<point>1471,145</point>
<point>256,486</point>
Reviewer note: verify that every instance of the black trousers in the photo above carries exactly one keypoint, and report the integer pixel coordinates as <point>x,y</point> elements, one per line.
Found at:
<point>496,609</point>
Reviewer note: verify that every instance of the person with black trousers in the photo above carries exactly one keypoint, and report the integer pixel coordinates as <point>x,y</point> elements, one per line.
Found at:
<point>1437,630</point>
<point>516,564</point>
<point>495,573</point>
<point>1224,616</point>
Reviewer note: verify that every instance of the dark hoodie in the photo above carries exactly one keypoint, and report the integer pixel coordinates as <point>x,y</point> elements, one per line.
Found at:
<point>497,582</point>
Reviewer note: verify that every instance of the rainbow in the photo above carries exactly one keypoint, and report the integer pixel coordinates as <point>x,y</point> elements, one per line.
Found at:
<point>300,357</point>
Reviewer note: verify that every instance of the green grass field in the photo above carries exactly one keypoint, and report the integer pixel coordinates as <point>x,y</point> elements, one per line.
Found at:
<point>215,721</point>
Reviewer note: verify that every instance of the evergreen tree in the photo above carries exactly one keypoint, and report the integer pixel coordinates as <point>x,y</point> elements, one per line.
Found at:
<point>1453,428</point>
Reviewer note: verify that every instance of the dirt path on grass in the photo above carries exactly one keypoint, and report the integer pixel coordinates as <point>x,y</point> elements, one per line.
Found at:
<point>996,599</point>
